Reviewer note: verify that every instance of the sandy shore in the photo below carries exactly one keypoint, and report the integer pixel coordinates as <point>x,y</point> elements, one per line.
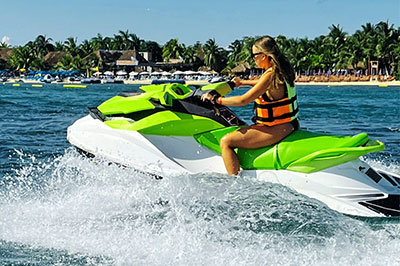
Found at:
<point>204,82</point>
<point>352,83</point>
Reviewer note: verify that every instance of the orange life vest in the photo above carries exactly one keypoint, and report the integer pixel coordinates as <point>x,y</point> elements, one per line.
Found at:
<point>272,113</point>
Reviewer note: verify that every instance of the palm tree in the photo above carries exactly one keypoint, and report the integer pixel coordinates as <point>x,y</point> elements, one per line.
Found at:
<point>153,48</point>
<point>189,55</point>
<point>59,46</point>
<point>92,61</point>
<point>198,47</point>
<point>284,44</point>
<point>234,50</point>
<point>43,45</point>
<point>336,38</point>
<point>97,42</point>
<point>214,55</point>
<point>69,62</point>
<point>64,63</point>
<point>351,54</point>
<point>4,45</point>
<point>70,46</point>
<point>78,64</point>
<point>37,64</point>
<point>135,41</point>
<point>108,43</point>
<point>172,50</point>
<point>386,44</point>
<point>21,57</point>
<point>245,53</point>
<point>117,43</point>
<point>85,48</point>
<point>124,39</point>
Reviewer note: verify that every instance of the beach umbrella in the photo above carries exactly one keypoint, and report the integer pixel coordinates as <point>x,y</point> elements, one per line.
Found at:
<point>205,73</point>
<point>178,73</point>
<point>133,73</point>
<point>97,73</point>
<point>190,72</point>
<point>121,73</point>
<point>108,73</point>
<point>165,73</point>
<point>144,73</point>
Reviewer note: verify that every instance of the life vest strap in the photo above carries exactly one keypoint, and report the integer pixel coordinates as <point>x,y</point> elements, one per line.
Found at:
<point>269,105</point>
<point>271,118</point>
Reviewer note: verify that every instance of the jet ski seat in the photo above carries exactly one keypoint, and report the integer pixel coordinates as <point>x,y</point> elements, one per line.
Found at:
<point>301,151</point>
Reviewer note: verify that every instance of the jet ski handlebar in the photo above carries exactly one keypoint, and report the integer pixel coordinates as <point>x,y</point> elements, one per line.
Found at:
<point>215,89</point>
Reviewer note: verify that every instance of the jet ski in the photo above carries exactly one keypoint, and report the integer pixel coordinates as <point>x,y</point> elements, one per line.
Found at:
<point>169,127</point>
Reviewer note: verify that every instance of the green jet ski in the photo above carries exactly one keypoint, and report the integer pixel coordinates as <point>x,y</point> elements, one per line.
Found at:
<point>166,128</point>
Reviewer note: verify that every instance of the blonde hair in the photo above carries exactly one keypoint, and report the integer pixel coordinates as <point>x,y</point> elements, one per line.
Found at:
<point>281,68</point>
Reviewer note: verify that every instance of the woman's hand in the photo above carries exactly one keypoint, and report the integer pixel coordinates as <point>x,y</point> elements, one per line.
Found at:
<point>208,97</point>
<point>237,81</point>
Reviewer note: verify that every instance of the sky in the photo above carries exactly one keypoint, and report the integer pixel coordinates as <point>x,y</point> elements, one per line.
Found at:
<point>189,21</point>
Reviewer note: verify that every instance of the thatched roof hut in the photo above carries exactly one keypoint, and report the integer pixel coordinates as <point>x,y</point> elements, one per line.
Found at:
<point>114,58</point>
<point>5,55</point>
<point>241,68</point>
<point>52,58</point>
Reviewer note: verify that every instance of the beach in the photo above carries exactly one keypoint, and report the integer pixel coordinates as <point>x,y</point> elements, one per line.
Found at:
<point>204,82</point>
<point>352,83</point>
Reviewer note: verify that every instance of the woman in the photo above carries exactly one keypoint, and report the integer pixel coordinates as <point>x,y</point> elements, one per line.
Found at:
<point>275,104</point>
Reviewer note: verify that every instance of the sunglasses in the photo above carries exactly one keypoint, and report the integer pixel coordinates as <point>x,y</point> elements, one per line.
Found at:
<point>254,55</point>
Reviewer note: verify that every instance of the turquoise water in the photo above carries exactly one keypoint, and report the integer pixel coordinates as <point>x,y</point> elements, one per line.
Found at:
<point>59,208</point>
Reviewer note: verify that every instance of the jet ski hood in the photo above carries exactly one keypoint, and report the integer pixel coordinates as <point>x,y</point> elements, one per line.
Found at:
<point>176,110</point>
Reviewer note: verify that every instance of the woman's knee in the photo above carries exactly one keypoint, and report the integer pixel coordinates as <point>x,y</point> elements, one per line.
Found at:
<point>226,142</point>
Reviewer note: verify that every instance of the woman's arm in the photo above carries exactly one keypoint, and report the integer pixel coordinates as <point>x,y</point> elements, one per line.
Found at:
<point>242,82</point>
<point>256,91</point>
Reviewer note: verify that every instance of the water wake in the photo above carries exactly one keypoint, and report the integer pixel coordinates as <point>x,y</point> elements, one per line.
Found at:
<point>90,212</point>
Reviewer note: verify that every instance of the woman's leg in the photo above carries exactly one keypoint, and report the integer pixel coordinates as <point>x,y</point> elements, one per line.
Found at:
<point>251,137</point>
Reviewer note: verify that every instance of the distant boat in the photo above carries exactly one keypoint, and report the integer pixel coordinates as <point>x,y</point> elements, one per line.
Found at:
<point>48,78</point>
<point>91,80</point>
<point>113,81</point>
<point>216,79</point>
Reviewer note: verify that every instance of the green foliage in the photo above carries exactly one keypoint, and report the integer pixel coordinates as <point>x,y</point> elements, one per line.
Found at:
<point>337,49</point>
<point>4,45</point>
<point>396,74</point>
<point>152,47</point>
<point>69,62</point>
<point>172,50</point>
<point>21,57</point>
<point>215,57</point>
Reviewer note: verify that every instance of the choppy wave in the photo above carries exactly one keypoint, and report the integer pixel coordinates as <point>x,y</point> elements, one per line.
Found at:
<point>393,129</point>
<point>71,210</point>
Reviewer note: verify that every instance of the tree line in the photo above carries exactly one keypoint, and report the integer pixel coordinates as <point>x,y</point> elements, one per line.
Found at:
<point>336,50</point>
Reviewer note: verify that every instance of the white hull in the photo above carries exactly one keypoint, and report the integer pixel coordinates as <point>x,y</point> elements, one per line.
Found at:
<point>344,188</point>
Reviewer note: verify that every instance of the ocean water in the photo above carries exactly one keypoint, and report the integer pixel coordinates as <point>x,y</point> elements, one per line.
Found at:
<point>58,208</point>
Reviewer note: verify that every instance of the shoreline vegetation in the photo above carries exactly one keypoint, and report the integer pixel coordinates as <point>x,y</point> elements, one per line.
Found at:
<point>369,56</point>
<point>204,82</point>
